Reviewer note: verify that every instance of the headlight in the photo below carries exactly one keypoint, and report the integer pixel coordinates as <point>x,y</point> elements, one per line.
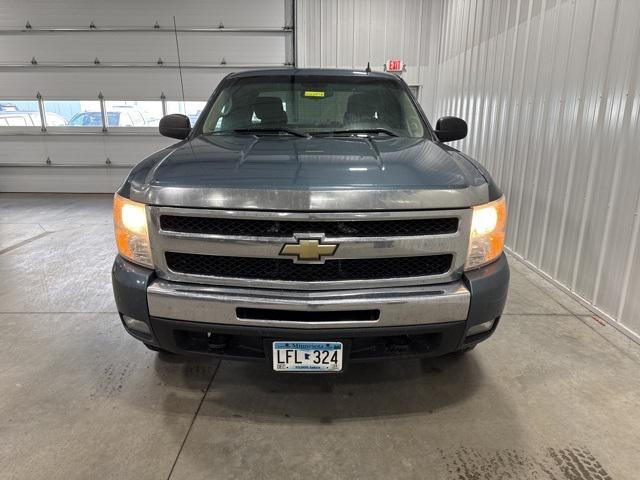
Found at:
<point>132,236</point>
<point>488,227</point>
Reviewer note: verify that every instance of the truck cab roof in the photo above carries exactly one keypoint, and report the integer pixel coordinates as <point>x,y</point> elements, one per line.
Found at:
<point>338,72</point>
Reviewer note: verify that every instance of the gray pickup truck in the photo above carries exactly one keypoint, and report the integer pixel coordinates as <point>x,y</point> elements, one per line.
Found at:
<point>308,219</point>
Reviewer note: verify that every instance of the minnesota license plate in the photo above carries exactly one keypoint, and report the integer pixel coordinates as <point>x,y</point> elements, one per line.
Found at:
<point>307,356</point>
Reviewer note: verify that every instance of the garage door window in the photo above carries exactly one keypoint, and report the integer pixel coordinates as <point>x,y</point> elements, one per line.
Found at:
<point>88,113</point>
<point>190,109</point>
<point>126,113</point>
<point>19,113</point>
<point>73,113</point>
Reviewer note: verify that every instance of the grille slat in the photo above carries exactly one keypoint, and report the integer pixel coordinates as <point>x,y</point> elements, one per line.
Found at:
<point>287,270</point>
<point>277,228</point>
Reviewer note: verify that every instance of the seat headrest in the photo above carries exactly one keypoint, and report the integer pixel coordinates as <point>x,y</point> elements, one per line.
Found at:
<point>361,108</point>
<point>269,110</point>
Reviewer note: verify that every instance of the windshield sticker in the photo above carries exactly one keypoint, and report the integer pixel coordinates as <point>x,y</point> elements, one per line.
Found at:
<point>313,93</point>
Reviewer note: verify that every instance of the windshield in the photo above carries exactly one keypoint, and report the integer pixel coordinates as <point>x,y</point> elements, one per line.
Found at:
<point>314,105</point>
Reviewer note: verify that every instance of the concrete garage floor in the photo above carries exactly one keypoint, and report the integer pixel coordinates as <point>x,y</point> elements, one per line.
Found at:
<point>555,394</point>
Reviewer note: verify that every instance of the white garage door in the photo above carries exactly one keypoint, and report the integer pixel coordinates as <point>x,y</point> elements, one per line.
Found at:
<point>100,74</point>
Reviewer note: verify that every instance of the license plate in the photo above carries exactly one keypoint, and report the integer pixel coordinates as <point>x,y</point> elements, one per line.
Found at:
<point>307,356</point>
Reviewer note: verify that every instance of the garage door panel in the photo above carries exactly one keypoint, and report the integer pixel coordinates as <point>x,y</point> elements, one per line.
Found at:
<point>95,149</point>
<point>116,84</point>
<point>76,180</point>
<point>235,48</point>
<point>92,149</point>
<point>78,162</point>
<point>16,148</point>
<point>145,48</point>
<point>127,45</point>
<point>202,13</point>
<point>131,150</point>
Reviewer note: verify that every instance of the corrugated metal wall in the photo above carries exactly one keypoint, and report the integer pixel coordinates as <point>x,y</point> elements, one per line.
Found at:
<point>550,89</point>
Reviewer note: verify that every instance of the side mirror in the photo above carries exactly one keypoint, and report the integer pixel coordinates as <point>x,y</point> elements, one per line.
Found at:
<point>449,129</point>
<point>175,125</point>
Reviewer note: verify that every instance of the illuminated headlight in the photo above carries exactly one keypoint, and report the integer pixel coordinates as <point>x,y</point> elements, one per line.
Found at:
<point>132,236</point>
<point>488,227</point>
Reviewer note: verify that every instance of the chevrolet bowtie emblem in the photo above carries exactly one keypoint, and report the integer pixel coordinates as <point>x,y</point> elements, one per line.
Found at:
<point>309,250</point>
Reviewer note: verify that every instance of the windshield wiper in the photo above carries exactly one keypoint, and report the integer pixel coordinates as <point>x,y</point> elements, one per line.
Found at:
<point>356,131</point>
<point>271,130</point>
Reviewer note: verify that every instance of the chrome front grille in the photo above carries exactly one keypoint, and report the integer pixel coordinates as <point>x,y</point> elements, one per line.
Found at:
<point>286,270</point>
<point>246,248</point>
<point>278,228</point>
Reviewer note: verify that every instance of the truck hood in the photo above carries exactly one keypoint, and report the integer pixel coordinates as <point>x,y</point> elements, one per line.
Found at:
<point>318,173</point>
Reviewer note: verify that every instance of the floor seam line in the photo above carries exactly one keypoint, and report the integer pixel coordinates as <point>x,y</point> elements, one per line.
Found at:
<point>571,313</point>
<point>24,242</point>
<point>574,314</point>
<point>617,325</point>
<point>592,327</point>
<point>193,420</point>
<point>544,292</point>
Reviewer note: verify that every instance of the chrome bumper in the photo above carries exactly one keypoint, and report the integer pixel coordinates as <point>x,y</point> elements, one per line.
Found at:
<point>399,306</point>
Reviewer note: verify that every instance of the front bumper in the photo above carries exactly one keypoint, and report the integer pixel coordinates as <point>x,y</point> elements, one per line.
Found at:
<point>373,323</point>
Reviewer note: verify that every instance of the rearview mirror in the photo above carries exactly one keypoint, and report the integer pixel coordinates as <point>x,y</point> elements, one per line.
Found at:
<point>175,125</point>
<point>449,129</point>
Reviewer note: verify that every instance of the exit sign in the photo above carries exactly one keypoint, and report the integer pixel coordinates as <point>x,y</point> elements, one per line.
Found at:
<point>394,65</point>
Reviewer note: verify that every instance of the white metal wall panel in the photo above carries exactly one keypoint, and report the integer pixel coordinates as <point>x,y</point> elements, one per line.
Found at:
<point>553,101</point>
